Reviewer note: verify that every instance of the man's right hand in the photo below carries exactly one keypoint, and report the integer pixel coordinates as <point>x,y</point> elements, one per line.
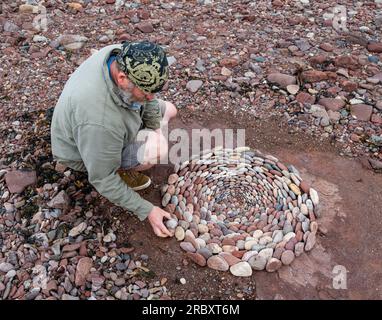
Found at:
<point>155,218</point>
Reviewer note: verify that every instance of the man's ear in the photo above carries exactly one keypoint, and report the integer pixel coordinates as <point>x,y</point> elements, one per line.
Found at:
<point>121,78</point>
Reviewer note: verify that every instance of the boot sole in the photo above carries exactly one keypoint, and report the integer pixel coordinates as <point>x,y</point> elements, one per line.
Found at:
<point>144,186</point>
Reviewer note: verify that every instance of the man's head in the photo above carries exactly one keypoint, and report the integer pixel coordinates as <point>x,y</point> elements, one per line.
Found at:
<point>142,69</point>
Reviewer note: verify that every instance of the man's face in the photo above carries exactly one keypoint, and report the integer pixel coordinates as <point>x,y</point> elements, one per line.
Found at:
<point>135,93</point>
<point>141,96</point>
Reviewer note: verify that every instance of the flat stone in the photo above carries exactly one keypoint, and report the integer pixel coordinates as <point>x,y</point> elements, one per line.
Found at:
<point>229,62</point>
<point>226,72</point>
<point>83,269</point>
<point>78,229</point>
<point>375,164</point>
<point>241,269</point>
<point>6,267</point>
<point>326,47</point>
<point>28,8</point>
<point>313,76</point>
<point>283,80</point>
<point>334,116</point>
<point>293,88</point>
<point>68,297</point>
<point>319,111</point>
<point>10,27</point>
<point>361,112</point>
<point>194,85</point>
<point>145,27</point>
<point>217,263</point>
<point>332,104</point>
<point>60,201</point>
<point>17,181</point>
<point>70,42</point>
<point>304,97</point>
<point>71,247</point>
<point>375,47</point>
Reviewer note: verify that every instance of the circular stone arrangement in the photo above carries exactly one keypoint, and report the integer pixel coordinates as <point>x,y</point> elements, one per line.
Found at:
<point>240,210</point>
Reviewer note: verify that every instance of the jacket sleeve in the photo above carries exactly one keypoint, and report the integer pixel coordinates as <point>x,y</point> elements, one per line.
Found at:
<point>101,152</point>
<point>152,115</point>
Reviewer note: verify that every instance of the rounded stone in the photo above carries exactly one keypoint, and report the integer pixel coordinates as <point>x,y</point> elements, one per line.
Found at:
<point>249,244</point>
<point>287,257</point>
<point>229,249</point>
<point>257,262</point>
<point>289,236</point>
<point>187,246</point>
<point>310,241</point>
<point>231,259</point>
<point>214,248</point>
<point>172,178</point>
<point>299,249</point>
<point>179,233</point>
<point>257,234</point>
<point>197,258</point>
<point>278,236</point>
<point>313,227</point>
<point>166,199</point>
<point>205,252</point>
<point>266,253</point>
<point>241,269</point>
<point>296,190</point>
<point>273,265</point>
<point>314,196</point>
<point>171,223</point>
<point>202,228</point>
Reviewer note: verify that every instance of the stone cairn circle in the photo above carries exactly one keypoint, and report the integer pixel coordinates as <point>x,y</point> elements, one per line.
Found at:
<point>240,210</point>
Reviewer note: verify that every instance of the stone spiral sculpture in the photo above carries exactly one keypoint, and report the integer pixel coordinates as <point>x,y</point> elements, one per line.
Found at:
<point>240,210</point>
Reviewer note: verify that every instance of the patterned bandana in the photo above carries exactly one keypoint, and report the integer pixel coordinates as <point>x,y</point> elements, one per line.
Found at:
<point>145,63</point>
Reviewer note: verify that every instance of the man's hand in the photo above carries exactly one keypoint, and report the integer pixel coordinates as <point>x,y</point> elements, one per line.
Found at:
<point>155,218</point>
